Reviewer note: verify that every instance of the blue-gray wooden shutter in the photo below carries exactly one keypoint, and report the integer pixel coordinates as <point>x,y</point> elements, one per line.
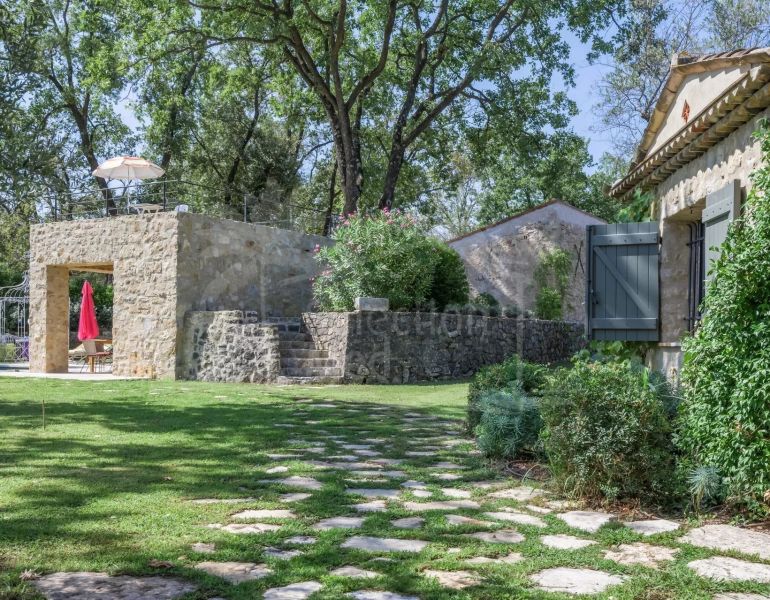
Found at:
<point>622,291</point>
<point>721,209</point>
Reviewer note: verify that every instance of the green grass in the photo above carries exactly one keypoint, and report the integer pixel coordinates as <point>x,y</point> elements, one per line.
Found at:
<point>105,487</point>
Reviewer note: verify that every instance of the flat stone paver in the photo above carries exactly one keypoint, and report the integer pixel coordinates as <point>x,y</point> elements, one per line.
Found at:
<point>741,597</point>
<point>421,493</point>
<point>724,568</point>
<point>521,494</point>
<point>575,581</point>
<point>461,520</point>
<point>503,536</point>
<point>652,526</point>
<point>354,573</point>
<point>295,591</point>
<point>517,517</point>
<point>272,470</point>
<point>86,585</point>
<point>373,493</point>
<point>297,481</point>
<point>455,493</point>
<point>294,497</point>
<point>205,501</point>
<point>203,547</point>
<point>235,572</point>
<point>508,559</point>
<point>303,540</point>
<point>339,523</point>
<point>408,523</point>
<point>246,528</point>
<point>375,544</point>
<point>646,555</point>
<point>447,476</point>
<point>373,506</point>
<point>727,537</point>
<point>587,520</point>
<point>565,542</point>
<point>264,514</point>
<point>454,580</point>
<point>378,595</point>
<point>440,505</point>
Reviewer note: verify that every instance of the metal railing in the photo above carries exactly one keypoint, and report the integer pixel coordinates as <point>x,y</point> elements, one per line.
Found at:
<point>168,195</point>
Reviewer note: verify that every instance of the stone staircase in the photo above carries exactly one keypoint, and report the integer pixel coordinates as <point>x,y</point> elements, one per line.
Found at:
<point>301,361</point>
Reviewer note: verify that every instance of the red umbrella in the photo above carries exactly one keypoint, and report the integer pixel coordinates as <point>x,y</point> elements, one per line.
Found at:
<point>88,328</point>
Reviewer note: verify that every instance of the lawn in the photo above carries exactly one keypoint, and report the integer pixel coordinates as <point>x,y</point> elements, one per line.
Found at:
<point>108,484</point>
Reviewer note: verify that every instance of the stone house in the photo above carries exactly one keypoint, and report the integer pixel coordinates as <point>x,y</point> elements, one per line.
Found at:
<point>696,156</point>
<point>500,259</point>
<point>165,266</point>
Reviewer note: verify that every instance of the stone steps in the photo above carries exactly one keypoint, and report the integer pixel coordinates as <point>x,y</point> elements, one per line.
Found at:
<point>302,362</point>
<point>299,363</point>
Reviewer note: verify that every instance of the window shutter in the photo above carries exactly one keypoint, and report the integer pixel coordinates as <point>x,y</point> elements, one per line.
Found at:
<point>721,209</point>
<point>622,291</point>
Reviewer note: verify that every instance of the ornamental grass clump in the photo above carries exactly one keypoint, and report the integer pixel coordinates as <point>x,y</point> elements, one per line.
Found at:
<point>725,411</point>
<point>385,255</point>
<point>510,425</point>
<point>608,432</point>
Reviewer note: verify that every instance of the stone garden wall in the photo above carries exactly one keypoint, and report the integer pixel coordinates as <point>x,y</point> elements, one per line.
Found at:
<point>396,347</point>
<point>229,346</point>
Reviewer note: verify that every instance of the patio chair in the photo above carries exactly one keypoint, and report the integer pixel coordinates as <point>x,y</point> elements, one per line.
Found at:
<point>96,355</point>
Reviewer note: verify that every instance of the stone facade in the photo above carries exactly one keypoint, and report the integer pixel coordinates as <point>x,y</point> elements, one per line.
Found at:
<point>229,346</point>
<point>164,265</point>
<point>680,201</point>
<point>501,259</point>
<point>400,347</point>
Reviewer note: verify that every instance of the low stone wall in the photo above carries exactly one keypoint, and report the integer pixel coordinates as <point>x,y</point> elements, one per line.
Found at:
<point>394,347</point>
<point>229,346</point>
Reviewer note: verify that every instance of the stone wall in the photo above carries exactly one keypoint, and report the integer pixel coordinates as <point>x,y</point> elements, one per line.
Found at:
<point>680,200</point>
<point>229,346</point>
<point>501,260</point>
<point>394,347</point>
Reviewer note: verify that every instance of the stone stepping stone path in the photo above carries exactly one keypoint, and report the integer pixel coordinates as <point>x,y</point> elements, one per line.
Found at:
<point>652,526</point>
<point>727,537</point>
<point>503,536</point>
<point>724,568</point>
<point>590,521</point>
<point>454,580</point>
<point>375,544</point>
<point>353,573</point>
<point>101,586</point>
<point>339,523</point>
<point>517,517</point>
<point>484,531</point>
<point>565,542</point>
<point>641,554</point>
<point>575,581</point>
<point>235,572</point>
<point>294,591</point>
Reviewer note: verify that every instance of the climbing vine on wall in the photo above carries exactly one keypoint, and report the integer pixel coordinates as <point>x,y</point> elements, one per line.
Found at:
<point>552,278</point>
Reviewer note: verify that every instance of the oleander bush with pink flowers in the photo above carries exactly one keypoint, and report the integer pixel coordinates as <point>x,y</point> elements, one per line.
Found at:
<point>386,255</point>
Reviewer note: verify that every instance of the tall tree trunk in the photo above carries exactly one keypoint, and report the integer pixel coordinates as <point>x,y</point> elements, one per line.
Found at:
<point>332,196</point>
<point>395,162</point>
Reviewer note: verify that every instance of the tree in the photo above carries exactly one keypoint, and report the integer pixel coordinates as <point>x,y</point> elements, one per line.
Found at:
<point>417,58</point>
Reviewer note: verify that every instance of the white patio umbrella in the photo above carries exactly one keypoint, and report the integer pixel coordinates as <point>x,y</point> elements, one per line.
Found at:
<point>128,168</point>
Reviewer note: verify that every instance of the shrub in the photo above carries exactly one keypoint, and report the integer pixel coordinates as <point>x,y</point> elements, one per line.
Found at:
<point>486,299</point>
<point>508,375</point>
<point>385,255</point>
<point>606,431</point>
<point>450,283</point>
<point>552,278</point>
<point>510,424</point>
<point>726,375</point>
